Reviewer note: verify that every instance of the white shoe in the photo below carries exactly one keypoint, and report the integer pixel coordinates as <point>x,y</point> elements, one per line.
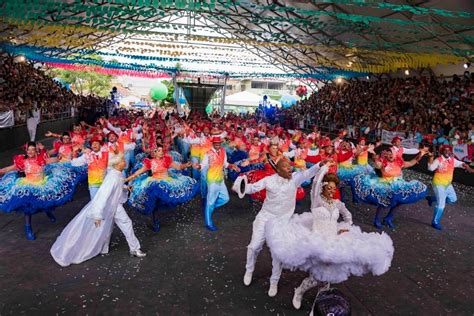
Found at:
<point>248,278</point>
<point>273,290</point>
<point>138,253</point>
<point>297,298</point>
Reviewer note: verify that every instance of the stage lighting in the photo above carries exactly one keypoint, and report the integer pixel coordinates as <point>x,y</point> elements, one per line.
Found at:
<point>368,78</point>
<point>467,65</point>
<point>21,59</point>
<point>407,72</point>
<point>339,80</point>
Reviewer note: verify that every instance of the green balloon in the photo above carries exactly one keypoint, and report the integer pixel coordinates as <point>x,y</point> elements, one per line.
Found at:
<point>158,92</point>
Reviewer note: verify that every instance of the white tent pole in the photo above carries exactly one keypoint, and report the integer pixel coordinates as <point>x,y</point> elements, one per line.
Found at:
<point>223,94</point>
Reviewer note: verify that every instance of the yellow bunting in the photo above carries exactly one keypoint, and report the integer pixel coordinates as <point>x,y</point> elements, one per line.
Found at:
<point>25,32</point>
<point>45,34</point>
<point>387,61</point>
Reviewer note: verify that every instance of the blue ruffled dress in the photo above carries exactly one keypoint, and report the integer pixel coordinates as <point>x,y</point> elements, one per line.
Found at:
<point>43,188</point>
<point>378,191</point>
<point>167,187</point>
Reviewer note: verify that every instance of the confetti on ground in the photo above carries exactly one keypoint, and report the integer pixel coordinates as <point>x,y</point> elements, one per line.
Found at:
<point>192,271</point>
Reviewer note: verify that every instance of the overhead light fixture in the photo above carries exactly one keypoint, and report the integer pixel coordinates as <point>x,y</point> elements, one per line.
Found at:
<point>467,65</point>
<point>407,72</point>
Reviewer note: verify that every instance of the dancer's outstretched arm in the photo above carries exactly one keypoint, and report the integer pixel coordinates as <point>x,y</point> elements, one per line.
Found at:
<point>250,188</point>
<point>414,161</point>
<point>112,128</point>
<point>307,174</point>
<point>79,161</point>
<point>317,185</point>
<point>136,174</point>
<point>7,169</point>
<point>410,151</point>
<point>180,166</point>
<point>51,134</point>
<point>257,186</point>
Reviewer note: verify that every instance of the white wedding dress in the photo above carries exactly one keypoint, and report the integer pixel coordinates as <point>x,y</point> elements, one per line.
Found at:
<point>81,240</point>
<point>309,242</point>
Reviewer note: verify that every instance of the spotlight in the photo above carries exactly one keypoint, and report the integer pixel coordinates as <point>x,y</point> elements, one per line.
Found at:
<point>467,65</point>
<point>368,78</point>
<point>339,80</point>
<point>407,72</point>
<point>21,59</point>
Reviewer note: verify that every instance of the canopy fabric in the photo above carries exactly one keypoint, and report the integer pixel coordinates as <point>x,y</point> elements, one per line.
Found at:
<point>298,37</point>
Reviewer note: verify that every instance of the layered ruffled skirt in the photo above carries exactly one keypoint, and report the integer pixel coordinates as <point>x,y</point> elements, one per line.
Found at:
<point>329,258</point>
<point>347,174</point>
<point>374,190</point>
<point>148,192</point>
<point>81,172</point>
<point>57,188</point>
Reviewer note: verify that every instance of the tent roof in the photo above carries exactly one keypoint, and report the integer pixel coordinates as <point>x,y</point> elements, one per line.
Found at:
<point>306,37</point>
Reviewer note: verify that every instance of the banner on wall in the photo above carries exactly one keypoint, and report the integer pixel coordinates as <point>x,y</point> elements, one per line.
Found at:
<point>387,137</point>
<point>7,119</point>
<point>461,152</point>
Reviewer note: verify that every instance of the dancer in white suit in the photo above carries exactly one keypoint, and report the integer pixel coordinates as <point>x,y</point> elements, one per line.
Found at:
<point>279,202</point>
<point>88,234</point>
<point>317,243</point>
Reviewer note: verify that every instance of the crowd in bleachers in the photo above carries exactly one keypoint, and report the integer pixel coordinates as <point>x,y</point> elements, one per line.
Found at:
<point>24,87</point>
<point>430,109</point>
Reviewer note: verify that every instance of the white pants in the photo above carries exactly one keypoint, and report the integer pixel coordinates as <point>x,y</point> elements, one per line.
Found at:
<point>444,194</point>
<point>31,130</point>
<point>256,245</point>
<point>93,191</point>
<point>124,223</point>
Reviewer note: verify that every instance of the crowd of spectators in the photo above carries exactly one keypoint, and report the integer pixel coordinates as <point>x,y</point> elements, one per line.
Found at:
<point>24,87</point>
<point>431,109</point>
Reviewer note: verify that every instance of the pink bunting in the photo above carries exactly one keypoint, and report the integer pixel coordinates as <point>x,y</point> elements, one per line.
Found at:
<point>110,71</point>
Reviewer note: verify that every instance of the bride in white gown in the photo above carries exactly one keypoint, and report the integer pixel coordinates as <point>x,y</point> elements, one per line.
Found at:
<point>329,250</point>
<point>88,234</point>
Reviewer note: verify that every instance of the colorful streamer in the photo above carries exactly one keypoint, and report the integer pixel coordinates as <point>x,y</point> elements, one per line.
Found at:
<point>320,73</point>
<point>109,71</point>
<point>114,17</point>
<point>83,24</point>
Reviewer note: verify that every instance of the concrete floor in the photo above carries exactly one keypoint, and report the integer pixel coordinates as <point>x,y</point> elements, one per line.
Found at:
<point>192,271</point>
